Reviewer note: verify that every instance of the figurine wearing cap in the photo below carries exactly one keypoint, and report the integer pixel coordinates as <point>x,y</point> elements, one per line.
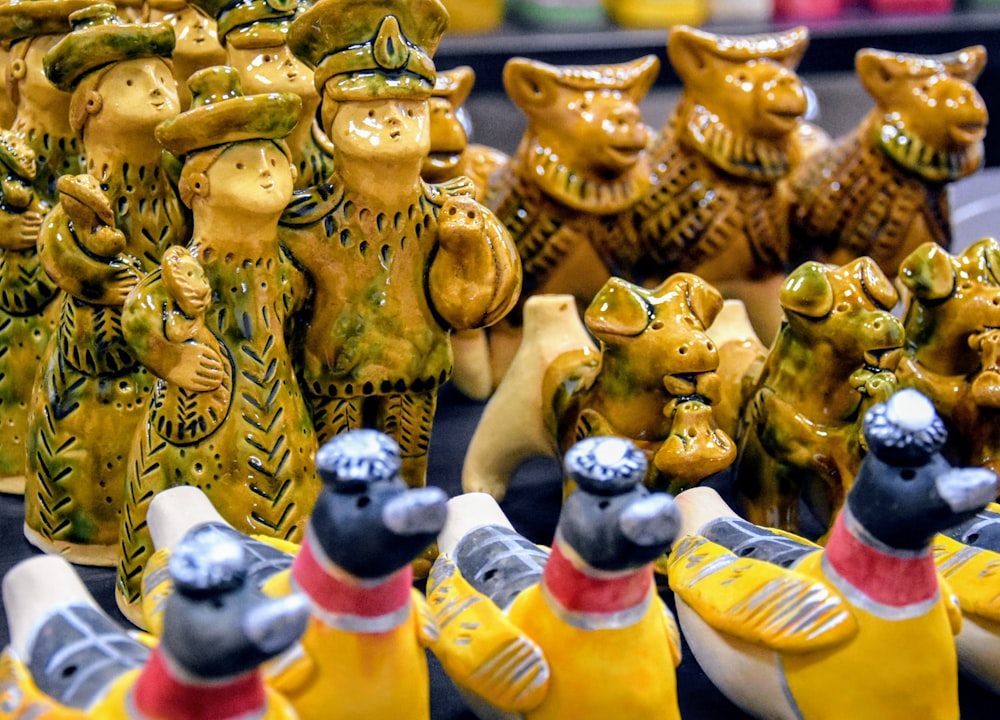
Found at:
<point>109,229</point>
<point>228,415</point>
<point>253,33</point>
<point>198,45</point>
<point>396,264</point>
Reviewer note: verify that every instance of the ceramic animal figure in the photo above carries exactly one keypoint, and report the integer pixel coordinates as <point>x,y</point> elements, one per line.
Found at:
<point>91,390</point>
<point>227,414</point>
<point>567,191</point>
<point>968,558</point>
<point>363,652</point>
<point>859,629</point>
<point>833,358</point>
<point>396,265</point>
<point>650,379</point>
<point>952,340</point>
<point>881,190</point>
<point>198,44</point>
<point>716,207</point>
<point>253,34</point>
<point>575,632</point>
<point>68,660</point>
<point>38,148</point>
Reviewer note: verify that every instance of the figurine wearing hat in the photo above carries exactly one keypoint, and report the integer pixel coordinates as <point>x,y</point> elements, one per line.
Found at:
<point>396,264</point>
<point>39,147</point>
<point>109,229</point>
<point>253,33</point>
<point>227,414</point>
<point>198,45</point>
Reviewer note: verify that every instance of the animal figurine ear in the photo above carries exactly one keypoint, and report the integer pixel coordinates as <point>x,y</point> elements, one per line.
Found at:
<point>966,64</point>
<point>688,52</point>
<point>639,76</point>
<point>927,272</point>
<point>878,287</point>
<point>807,291</point>
<point>991,255</point>
<point>617,310</point>
<point>455,85</point>
<point>530,84</point>
<point>877,70</point>
<point>704,300</point>
<point>795,40</point>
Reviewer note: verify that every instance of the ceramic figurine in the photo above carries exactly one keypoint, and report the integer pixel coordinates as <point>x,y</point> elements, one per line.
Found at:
<point>716,207</point>
<point>881,190</point>
<point>68,659</point>
<point>354,565</point>
<point>227,414</point>
<point>578,631</point>
<point>253,34</point>
<point>38,148</point>
<point>651,380</point>
<point>832,359</point>
<point>952,341</point>
<point>566,194</point>
<point>198,44</point>
<point>395,264</point>
<point>967,557</point>
<point>859,629</point>
<point>91,390</point>
<point>7,106</point>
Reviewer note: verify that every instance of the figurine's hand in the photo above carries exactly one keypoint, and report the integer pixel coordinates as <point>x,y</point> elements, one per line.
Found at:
<point>125,278</point>
<point>19,231</point>
<point>200,368</point>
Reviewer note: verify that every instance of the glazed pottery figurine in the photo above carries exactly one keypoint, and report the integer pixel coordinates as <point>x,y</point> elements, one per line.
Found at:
<point>39,147</point>
<point>579,169</point>
<point>716,208</point>
<point>197,45</point>
<point>967,556</point>
<point>881,190</point>
<point>68,659</point>
<point>227,414</point>
<point>363,652</point>
<point>652,381</point>
<point>952,349</point>
<point>578,631</point>
<point>91,390</point>
<point>832,359</point>
<point>7,106</point>
<point>253,34</point>
<point>395,264</point>
<point>858,629</point>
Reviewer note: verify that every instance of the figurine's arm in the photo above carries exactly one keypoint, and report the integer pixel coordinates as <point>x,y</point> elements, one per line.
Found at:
<point>785,433</point>
<point>19,230</point>
<point>475,275</point>
<point>943,390</point>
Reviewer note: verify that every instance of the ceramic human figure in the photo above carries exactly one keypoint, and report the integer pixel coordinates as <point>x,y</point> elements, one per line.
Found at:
<point>716,208</point>
<point>881,190</point>
<point>91,390</point>
<point>227,414</point>
<point>198,44</point>
<point>39,147</point>
<point>860,628</point>
<point>7,107</point>
<point>395,264</point>
<point>253,34</point>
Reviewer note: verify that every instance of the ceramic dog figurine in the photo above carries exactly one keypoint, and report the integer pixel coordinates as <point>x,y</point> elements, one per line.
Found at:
<point>881,190</point>
<point>578,631</point>
<point>832,359</point>
<point>861,628</point>
<point>651,379</point>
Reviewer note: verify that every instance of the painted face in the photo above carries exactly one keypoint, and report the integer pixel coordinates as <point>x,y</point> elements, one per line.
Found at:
<point>140,92</point>
<point>272,69</point>
<point>385,129</point>
<point>255,177</point>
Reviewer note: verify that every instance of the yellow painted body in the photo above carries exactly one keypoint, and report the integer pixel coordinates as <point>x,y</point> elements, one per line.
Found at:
<point>614,673</point>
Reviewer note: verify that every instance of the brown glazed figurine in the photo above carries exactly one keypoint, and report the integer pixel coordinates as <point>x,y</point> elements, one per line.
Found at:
<point>396,264</point>
<point>112,229</point>
<point>952,350</point>
<point>566,194</point>
<point>197,45</point>
<point>716,207</point>
<point>652,381</point>
<point>881,190</point>
<point>227,415</point>
<point>39,147</point>
<point>832,359</point>
<point>253,34</point>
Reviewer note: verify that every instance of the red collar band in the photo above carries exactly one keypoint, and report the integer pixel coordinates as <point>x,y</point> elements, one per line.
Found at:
<point>582,589</point>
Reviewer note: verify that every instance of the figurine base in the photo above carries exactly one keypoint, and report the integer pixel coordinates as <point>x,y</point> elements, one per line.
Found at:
<point>12,485</point>
<point>76,553</point>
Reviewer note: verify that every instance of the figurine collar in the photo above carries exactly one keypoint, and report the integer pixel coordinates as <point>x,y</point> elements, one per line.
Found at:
<point>913,154</point>
<point>589,598</point>
<point>160,691</point>
<point>744,157</point>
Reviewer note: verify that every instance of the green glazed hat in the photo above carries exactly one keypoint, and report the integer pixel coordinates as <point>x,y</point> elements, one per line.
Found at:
<point>364,49</point>
<point>20,19</point>
<point>250,23</point>
<point>100,38</point>
<point>220,114</point>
